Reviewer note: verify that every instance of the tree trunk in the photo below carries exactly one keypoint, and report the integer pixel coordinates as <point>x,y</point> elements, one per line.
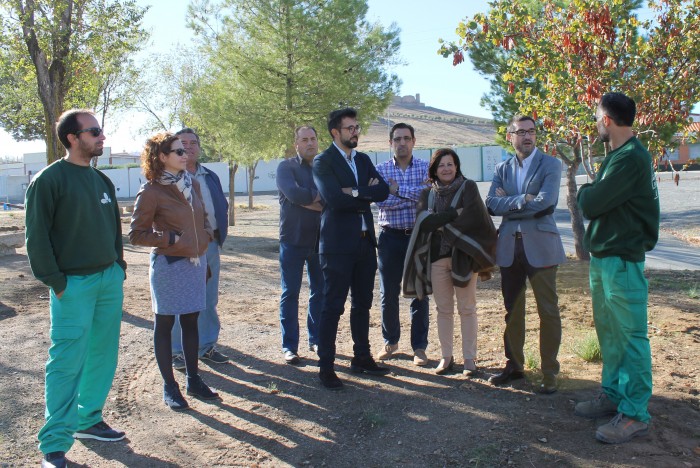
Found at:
<point>251,179</point>
<point>54,148</point>
<point>576,216</point>
<point>50,75</point>
<point>587,162</point>
<point>232,169</point>
<point>49,87</point>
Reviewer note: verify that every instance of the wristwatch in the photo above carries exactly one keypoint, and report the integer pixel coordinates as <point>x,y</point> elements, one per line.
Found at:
<point>355,193</point>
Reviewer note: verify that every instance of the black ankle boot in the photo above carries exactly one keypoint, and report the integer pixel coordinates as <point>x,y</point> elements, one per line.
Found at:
<point>197,388</point>
<point>54,460</point>
<point>173,398</point>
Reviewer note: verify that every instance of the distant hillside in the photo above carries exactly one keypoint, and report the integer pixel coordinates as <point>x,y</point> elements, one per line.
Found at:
<point>434,127</point>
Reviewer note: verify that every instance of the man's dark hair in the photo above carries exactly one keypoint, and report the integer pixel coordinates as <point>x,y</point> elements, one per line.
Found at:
<point>401,125</point>
<point>435,162</point>
<point>188,130</point>
<point>302,127</point>
<point>68,124</point>
<point>336,117</point>
<point>519,118</point>
<point>619,107</point>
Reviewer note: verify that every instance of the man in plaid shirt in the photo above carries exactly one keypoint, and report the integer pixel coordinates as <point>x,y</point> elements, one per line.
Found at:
<point>407,177</point>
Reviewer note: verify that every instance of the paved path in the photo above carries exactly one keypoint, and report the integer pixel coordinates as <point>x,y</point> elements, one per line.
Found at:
<point>680,207</point>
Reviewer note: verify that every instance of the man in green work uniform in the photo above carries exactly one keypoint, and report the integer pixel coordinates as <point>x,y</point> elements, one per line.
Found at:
<point>623,206</point>
<point>74,244</point>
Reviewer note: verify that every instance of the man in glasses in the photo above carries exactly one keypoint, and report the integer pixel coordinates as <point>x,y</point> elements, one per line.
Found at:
<point>623,206</point>
<point>525,192</point>
<point>217,214</point>
<point>300,220</point>
<point>74,245</point>
<point>407,176</point>
<point>349,183</point>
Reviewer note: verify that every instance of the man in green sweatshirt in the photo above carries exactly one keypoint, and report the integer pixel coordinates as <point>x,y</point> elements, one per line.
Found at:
<point>622,204</point>
<point>74,244</point>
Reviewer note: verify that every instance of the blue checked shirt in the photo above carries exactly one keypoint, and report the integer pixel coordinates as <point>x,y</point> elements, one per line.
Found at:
<point>399,211</point>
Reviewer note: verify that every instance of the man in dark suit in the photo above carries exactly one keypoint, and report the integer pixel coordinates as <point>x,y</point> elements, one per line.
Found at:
<point>525,192</point>
<point>348,183</point>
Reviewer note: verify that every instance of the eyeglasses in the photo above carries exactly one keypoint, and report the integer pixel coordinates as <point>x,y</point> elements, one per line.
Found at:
<point>596,118</point>
<point>94,131</point>
<point>179,152</point>
<point>531,132</point>
<point>352,129</point>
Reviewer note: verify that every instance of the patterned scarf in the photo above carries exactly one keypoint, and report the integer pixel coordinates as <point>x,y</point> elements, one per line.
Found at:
<point>183,182</point>
<point>443,198</point>
<point>444,193</point>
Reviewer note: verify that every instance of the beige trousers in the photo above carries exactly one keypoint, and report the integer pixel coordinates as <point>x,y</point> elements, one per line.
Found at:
<point>444,293</point>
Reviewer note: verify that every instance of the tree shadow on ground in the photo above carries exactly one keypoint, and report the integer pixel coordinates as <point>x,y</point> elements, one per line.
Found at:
<point>496,425</point>
<point>121,452</point>
<point>265,247</point>
<point>6,311</point>
<point>137,321</point>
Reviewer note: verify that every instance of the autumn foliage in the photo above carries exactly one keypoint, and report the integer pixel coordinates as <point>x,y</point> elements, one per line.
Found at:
<point>579,51</point>
<point>562,56</point>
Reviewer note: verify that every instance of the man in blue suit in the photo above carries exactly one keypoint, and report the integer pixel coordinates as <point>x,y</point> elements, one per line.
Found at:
<point>525,192</point>
<point>348,183</point>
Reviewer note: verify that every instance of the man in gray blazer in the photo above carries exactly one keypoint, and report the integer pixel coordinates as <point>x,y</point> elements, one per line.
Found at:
<point>525,191</point>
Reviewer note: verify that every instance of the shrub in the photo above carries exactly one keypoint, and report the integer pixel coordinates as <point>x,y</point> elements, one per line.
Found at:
<point>532,359</point>
<point>588,348</point>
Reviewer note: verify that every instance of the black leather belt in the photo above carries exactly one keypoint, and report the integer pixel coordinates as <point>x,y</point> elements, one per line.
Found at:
<point>518,235</point>
<point>405,232</point>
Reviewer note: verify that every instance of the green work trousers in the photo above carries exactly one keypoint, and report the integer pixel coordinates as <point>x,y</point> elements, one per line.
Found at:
<point>85,324</point>
<point>619,294</point>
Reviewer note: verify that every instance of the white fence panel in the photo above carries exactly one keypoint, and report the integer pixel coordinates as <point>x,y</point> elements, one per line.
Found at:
<point>490,157</point>
<point>470,161</point>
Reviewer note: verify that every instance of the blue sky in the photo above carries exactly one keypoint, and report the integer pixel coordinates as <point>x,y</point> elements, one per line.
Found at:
<point>422,23</point>
<point>440,84</point>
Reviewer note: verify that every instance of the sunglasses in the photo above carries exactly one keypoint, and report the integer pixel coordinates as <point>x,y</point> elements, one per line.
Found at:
<point>94,131</point>
<point>179,151</point>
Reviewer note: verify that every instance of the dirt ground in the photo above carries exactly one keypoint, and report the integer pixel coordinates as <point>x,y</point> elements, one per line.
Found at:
<point>274,414</point>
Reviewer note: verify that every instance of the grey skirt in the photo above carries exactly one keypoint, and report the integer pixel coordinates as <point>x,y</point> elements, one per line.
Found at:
<point>177,287</point>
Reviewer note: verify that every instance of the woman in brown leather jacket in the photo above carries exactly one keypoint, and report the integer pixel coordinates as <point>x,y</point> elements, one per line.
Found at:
<point>169,216</point>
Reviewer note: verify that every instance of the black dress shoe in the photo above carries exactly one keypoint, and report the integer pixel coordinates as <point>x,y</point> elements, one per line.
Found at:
<point>368,366</point>
<point>197,388</point>
<point>548,385</point>
<point>330,380</point>
<point>507,374</point>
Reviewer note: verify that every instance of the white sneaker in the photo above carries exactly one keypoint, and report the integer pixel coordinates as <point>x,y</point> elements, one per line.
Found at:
<point>290,357</point>
<point>420,358</point>
<point>388,352</point>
